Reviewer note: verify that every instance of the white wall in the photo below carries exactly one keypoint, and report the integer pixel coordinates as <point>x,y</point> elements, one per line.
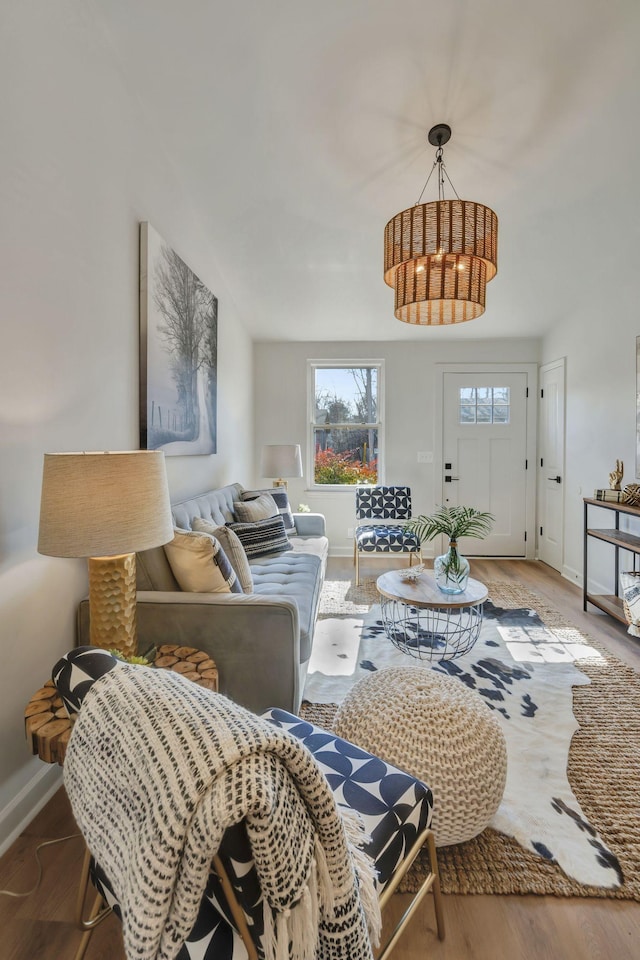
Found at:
<point>596,330</point>
<point>281,410</point>
<point>601,427</point>
<point>80,166</point>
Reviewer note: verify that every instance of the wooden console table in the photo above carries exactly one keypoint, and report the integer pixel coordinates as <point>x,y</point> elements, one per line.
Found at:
<point>620,540</point>
<point>47,724</point>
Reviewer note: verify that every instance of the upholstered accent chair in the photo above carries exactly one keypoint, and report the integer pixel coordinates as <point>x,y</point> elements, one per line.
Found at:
<point>395,808</point>
<point>386,510</point>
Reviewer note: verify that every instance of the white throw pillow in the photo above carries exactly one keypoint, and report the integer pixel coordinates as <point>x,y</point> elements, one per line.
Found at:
<point>191,557</point>
<point>233,548</point>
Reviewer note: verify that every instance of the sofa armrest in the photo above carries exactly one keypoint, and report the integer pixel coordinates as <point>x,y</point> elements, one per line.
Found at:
<point>310,524</point>
<point>254,640</point>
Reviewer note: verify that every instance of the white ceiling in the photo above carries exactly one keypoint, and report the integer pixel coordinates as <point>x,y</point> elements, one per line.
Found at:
<point>298,129</point>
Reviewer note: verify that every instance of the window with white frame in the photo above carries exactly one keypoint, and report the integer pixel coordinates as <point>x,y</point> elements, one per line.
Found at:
<point>484,405</point>
<point>346,422</point>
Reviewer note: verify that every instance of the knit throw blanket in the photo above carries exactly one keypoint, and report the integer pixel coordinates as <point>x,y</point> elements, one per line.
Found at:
<point>157,768</point>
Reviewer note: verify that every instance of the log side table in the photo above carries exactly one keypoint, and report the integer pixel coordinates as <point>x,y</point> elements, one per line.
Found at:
<point>48,727</point>
<point>422,621</point>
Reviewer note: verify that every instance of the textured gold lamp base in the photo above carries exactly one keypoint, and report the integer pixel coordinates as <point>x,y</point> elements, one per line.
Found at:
<point>112,603</point>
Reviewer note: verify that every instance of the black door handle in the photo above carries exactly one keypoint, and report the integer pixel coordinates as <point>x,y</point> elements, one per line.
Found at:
<point>557,479</point>
<point>449,479</point>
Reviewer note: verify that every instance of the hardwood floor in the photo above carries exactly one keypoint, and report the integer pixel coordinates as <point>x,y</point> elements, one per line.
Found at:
<point>41,927</point>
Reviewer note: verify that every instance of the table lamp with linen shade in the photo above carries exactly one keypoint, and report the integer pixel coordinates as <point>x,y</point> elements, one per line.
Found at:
<point>105,506</point>
<point>280,461</point>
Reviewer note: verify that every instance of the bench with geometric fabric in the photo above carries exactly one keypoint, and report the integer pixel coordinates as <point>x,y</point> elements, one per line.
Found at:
<point>396,810</point>
<point>388,509</point>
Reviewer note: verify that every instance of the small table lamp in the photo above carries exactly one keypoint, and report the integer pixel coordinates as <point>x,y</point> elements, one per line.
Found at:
<point>281,460</point>
<point>105,506</point>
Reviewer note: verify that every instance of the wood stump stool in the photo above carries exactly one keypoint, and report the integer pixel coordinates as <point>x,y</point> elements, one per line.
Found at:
<point>47,724</point>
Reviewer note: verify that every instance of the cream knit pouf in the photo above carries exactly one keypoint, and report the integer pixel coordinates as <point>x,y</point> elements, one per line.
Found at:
<point>441,732</point>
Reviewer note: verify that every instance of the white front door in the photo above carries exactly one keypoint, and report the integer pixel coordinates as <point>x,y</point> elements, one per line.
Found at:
<point>551,464</point>
<point>485,455</point>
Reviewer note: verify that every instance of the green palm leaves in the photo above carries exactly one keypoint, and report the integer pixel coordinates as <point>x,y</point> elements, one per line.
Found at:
<point>453,522</point>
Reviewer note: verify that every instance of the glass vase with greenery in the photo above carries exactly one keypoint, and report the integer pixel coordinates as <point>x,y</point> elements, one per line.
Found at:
<point>451,570</point>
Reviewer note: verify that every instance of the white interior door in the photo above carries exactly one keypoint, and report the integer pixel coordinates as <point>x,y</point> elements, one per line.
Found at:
<point>551,464</point>
<point>485,455</point>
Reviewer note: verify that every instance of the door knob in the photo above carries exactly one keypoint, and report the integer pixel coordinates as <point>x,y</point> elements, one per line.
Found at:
<point>448,479</point>
<point>557,479</point>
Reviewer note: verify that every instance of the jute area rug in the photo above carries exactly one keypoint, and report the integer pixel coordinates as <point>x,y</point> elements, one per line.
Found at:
<point>603,768</point>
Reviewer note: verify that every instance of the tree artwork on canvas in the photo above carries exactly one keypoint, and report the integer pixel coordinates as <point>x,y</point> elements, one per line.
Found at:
<point>178,353</point>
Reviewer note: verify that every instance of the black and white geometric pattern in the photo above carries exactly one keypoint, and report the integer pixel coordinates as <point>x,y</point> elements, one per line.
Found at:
<point>390,538</point>
<point>394,806</point>
<point>77,671</point>
<point>383,503</point>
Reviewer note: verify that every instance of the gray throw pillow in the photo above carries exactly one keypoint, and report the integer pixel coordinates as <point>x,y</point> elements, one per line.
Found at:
<point>250,511</point>
<point>281,498</point>
<point>231,546</point>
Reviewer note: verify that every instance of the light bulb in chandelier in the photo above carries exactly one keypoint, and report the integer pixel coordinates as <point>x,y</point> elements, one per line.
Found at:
<point>427,243</point>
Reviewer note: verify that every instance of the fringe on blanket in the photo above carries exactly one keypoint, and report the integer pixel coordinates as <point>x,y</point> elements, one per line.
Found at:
<point>292,934</point>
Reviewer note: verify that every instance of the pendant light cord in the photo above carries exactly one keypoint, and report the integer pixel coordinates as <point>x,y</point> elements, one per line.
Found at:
<point>442,173</point>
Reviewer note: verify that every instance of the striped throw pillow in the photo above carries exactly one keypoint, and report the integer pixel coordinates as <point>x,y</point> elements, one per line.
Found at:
<point>263,537</point>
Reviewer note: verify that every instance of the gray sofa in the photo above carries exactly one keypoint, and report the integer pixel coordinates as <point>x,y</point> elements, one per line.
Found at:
<point>261,642</point>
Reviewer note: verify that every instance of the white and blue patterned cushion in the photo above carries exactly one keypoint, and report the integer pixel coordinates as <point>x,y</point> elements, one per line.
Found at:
<point>390,538</point>
<point>383,503</point>
<point>394,807</point>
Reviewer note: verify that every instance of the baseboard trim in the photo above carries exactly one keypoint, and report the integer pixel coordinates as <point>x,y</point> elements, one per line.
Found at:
<point>19,812</point>
<point>574,576</point>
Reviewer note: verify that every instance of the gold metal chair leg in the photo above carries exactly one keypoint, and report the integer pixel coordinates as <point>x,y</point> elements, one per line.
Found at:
<point>432,882</point>
<point>356,558</point>
<point>236,910</point>
<point>97,913</point>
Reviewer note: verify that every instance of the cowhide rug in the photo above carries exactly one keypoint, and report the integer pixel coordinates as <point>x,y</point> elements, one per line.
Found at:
<point>524,673</point>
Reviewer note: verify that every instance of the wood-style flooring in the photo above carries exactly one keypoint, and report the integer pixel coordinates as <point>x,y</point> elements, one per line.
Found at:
<point>41,927</point>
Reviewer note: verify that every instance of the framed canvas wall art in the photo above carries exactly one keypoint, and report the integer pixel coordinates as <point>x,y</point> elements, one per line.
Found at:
<point>178,353</point>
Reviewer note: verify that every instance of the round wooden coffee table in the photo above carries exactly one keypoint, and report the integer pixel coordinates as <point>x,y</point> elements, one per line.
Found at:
<point>426,623</point>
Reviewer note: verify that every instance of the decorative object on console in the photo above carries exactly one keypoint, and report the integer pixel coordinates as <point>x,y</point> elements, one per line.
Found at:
<point>615,476</point>
<point>439,256</point>
<point>451,570</point>
<point>178,353</point>
<point>631,494</point>
<point>630,587</point>
<point>105,506</point>
<point>281,460</point>
<point>611,496</point>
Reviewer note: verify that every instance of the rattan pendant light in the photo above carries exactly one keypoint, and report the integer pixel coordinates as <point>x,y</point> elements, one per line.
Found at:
<point>439,256</point>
